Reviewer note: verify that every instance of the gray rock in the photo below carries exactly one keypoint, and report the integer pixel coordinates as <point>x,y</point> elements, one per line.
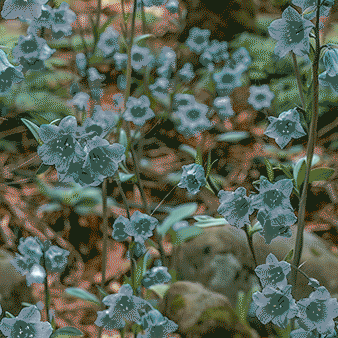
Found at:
<point>202,313</point>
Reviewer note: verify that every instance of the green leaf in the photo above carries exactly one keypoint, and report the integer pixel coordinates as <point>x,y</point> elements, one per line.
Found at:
<point>269,170</point>
<point>9,315</point>
<point>50,207</point>
<point>67,331</point>
<point>184,234</point>
<point>198,159</point>
<point>103,293</point>
<point>240,306</point>
<point>139,271</point>
<point>83,294</point>
<point>289,256</point>
<point>160,289</point>
<point>34,129</point>
<point>143,37</point>
<point>235,136</point>
<point>299,172</point>
<point>176,215</point>
<point>43,168</point>
<point>123,138</point>
<point>191,151</point>
<point>125,177</point>
<point>205,221</point>
<point>320,174</point>
<point>105,25</point>
<point>255,228</point>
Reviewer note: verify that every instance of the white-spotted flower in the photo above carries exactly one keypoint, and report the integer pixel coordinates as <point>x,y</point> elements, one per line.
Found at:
<point>260,97</point>
<point>27,9</point>
<point>273,195</point>
<point>235,207</point>
<point>156,275</point>
<point>276,224</point>
<point>193,178</point>
<point>120,228</point>
<point>8,74</point>
<point>292,33</point>
<point>141,226</point>
<point>26,324</point>
<point>223,107</point>
<point>60,145</point>
<point>155,325</point>
<point>275,305</point>
<point>44,20</point>
<point>318,310</point>
<point>193,119</point>
<point>123,305</point>
<point>285,127</point>
<point>138,110</point>
<point>273,273</point>
<point>198,39</point>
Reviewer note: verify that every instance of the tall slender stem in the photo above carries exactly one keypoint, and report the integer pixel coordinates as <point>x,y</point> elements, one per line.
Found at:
<point>309,155</point>
<point>47,297</point>
<point>105,240</point>
<point>300,89</point>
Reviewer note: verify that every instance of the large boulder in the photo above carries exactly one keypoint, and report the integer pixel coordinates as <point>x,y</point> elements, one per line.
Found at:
<point>199,312</point>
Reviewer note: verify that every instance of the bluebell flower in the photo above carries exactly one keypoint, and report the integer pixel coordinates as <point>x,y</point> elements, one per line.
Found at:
<point>74,89</point>
<point>26,324</point>
<point>183,100</point>
<point>117,101</point>
<point>172,6</point>
<point>273,195</point>
<point>166,62</point>
<point>141,226</point>
<point>235,207</point>
<point>325,6</point>
<point>44,20</point>
<point>120,61</point>
<point>198,39</point>
<point>242,58</point>
<point>156,275</point>
<point>140,57</point>
<point>285,127</point>
<point>186,74</point>
<point>330,60</point>
<point>218,50</point>
<point>62,19</point>
<point>123,305</point>
<point>109,42</point>
<point>206,58</point>
<point>273,273</point>
<point>193,178</point>
<point>60,145</point>
<point>80,100</point>
<point>329,81</point>
<point>318,310</point>
<point>95,83</point>
<point>81,63</point>
<point>292,33</point>
<point>275,305</point>
<point>120,227</point>
<point>227,80</point>
<point>155,325</point>
<point>276,224</point>
<point>30,247</point>
<point>35,274</point>
<point>138,110</point>
<point>160,88</point>
<point>260,97</point>
<point>29,9</point>
<point>8,74</point>
<point>56,259</point>
<point>223,107</point>
<point>31,51</point>
<point>102,157</point>
<point>193,119</point>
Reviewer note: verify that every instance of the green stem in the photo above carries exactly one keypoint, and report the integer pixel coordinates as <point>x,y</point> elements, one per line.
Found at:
<point>105,240</point>
<point>300,89</point>
<point>96,26</point>
<point>47,296</point>
<point>309,155</point>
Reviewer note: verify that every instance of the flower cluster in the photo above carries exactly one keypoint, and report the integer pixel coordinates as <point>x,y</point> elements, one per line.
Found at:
<point>36,255</point>
<point>275,303</point>
<point>80,154</point>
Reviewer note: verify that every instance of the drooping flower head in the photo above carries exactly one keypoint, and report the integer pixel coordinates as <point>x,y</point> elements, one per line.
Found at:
<point>292,33</point>
<point>193,178</point>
